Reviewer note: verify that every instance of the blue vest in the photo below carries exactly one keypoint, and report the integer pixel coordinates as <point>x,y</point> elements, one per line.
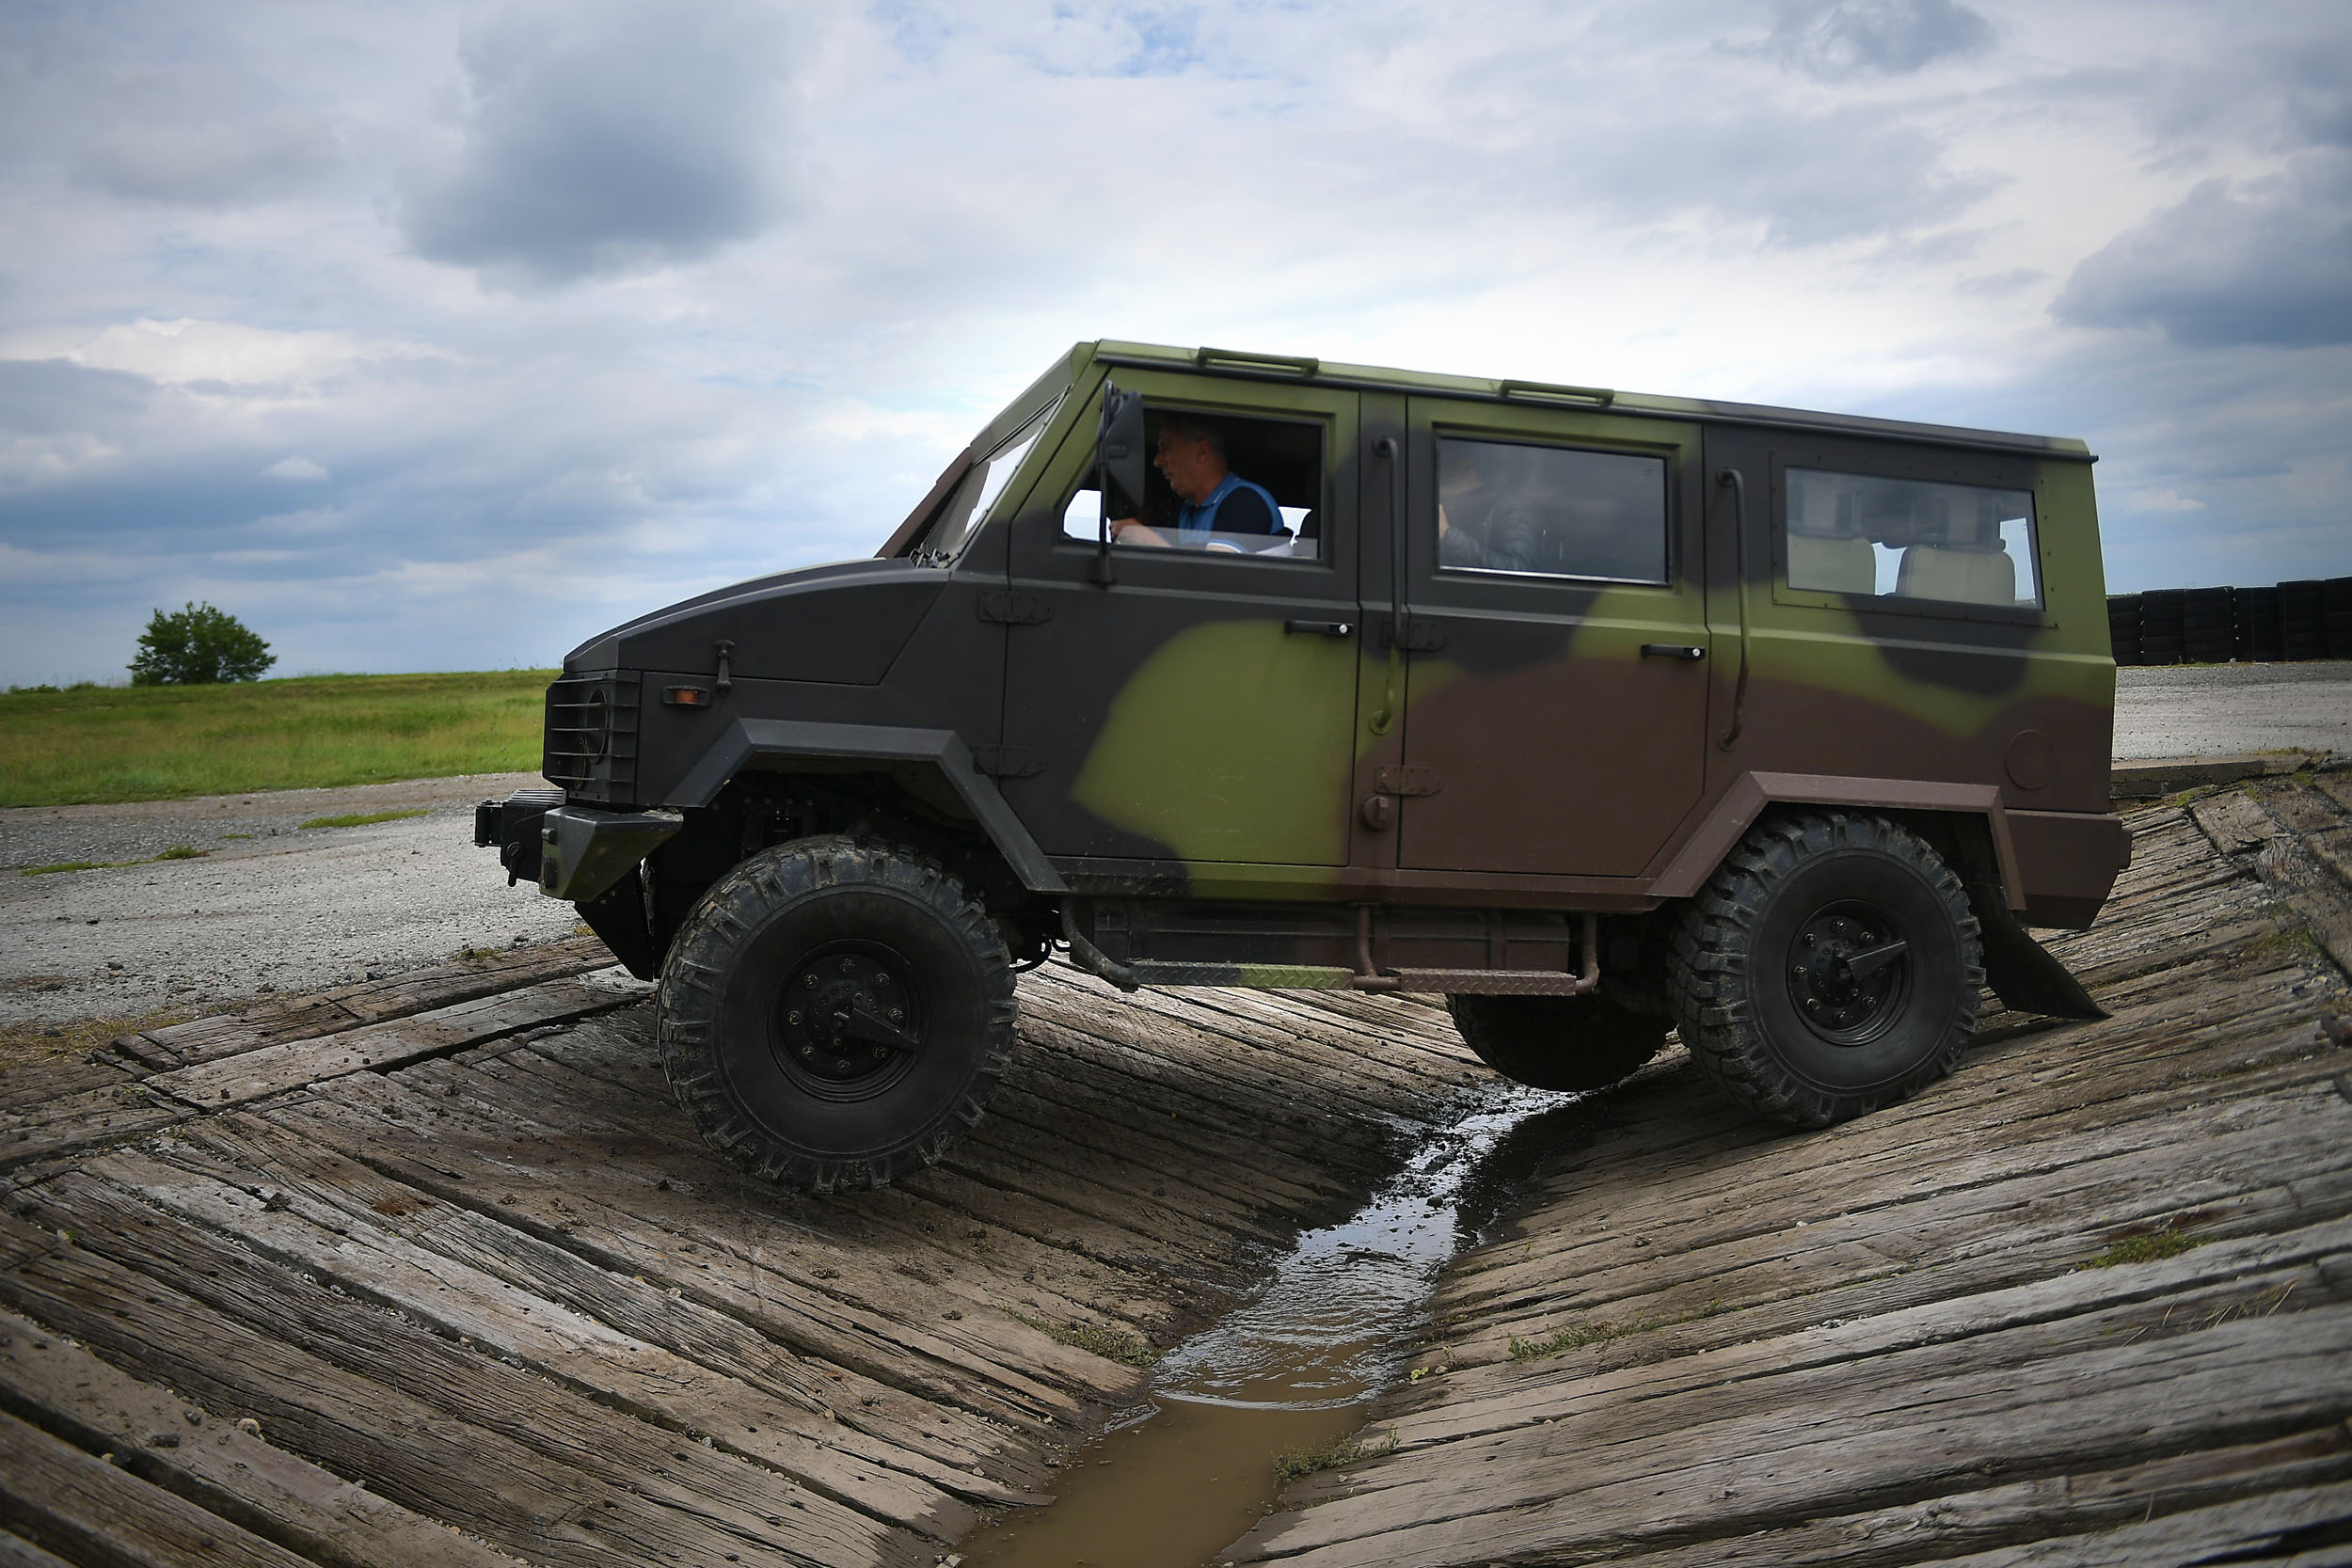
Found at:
<point>1201,516</point>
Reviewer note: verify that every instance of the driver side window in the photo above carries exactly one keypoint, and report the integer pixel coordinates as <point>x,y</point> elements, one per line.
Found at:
<point>1218,484</point>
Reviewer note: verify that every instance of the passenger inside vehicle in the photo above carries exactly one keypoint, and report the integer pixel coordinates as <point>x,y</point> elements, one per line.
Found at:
<point>1218,510</point>
<point>1539,511</point>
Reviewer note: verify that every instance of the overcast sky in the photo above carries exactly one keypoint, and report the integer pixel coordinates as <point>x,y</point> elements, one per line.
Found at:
<point>440,336</point>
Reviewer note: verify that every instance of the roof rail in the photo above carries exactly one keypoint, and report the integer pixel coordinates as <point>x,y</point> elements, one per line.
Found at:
<point>1546,391</point>
<point>1299,364</point>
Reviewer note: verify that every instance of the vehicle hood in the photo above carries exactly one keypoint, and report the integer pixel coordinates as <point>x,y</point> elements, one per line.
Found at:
<point>843,624</point>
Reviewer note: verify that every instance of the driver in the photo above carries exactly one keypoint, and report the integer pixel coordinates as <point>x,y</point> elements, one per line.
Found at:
<point>1217,503</point>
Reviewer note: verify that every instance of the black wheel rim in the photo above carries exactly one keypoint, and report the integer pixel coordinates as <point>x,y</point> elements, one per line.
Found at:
<point>848,1022</point>
<point>1848,973</point>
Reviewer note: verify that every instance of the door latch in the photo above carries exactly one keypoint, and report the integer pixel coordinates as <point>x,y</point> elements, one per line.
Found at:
<point>1014,609</point>
<point>1007,762</point>
<point>1395,779</point>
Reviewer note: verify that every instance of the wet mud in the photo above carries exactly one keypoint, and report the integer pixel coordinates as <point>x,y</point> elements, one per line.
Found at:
<point>1280,1387</point>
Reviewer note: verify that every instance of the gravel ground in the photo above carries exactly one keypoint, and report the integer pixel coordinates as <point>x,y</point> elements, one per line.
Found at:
<point>2225,710</point>
<point>274,906</point>
<point>270,905</point>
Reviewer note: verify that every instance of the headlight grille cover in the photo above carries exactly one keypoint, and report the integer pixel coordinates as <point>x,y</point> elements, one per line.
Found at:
<point>591,735</point>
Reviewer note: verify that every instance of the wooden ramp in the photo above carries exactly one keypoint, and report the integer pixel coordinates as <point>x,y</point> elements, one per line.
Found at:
<point>2088,1301</point>
<point>434,1272</point>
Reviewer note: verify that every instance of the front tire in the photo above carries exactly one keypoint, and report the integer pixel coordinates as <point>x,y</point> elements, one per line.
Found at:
<point>834,1015</point>
<point>1557,1042</point>
<point>1830,967</point>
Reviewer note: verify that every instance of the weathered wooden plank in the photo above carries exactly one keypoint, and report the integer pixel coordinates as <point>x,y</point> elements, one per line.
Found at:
<point>1142,1230</point>
<point>78,1504</point>
<point>2062,1517</point>
<point>2014,1096</point>
<point>2306,1527</point>
<point>1097,1263</point>
<point>1264,1025</point>
<point>1059,1165</point>
<point>2056,1116</point>
<point>1584,1227</point>
<point>274,1069</point>
<point>29,1083</point>
<point>900,1230</point>
<point>2235,1384</point>
<point>341,1250</point>
<point>815,1399</point>
<point>876,1293</point>
<point>716,1500</point>
<point>789,1311</point>
<point>1938,1338</point>
<point>16,1552</point>
<point>318,1014</point>
<point>170,1442</point>
<point>411,1452</point>
<point>83,1120</point>
<point>2115,1178</point>
<point>1244,1075</point>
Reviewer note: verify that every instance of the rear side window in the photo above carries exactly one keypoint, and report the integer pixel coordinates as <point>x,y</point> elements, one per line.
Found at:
<point>1910,539</point>
<point>1556,511</point>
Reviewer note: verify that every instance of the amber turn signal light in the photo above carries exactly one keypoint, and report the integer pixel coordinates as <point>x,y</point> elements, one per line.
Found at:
<point>687,696</point>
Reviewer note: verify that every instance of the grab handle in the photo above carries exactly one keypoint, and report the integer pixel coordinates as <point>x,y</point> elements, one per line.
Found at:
<point>1739,486</point>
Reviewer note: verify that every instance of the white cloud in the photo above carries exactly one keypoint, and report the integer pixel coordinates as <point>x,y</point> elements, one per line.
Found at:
<point>774,263</point>
<point>184,351</point>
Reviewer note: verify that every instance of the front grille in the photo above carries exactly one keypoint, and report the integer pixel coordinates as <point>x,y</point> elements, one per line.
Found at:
<point>592,736</point>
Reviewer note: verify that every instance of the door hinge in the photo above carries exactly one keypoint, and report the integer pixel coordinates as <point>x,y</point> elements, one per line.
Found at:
<point>1421,637</point>
<point>1391,779</point>
<point>1007,762</point>
<point>1014,609</point>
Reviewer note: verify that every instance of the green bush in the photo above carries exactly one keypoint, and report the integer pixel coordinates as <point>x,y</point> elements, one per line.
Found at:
<point>198,645</point>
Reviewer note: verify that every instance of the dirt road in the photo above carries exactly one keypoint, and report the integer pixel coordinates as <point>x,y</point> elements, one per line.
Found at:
<point>269,906</point>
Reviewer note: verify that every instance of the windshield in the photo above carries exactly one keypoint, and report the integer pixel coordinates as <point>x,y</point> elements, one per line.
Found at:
<point>968,506</point>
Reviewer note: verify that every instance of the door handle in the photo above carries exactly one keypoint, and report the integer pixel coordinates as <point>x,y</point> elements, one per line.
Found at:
<point>1321,629</point>
<point>1673,650</point>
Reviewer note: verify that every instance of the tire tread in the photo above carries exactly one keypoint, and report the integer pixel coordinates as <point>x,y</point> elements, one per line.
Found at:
<point>1711,961</point>
<point>687,1004</point>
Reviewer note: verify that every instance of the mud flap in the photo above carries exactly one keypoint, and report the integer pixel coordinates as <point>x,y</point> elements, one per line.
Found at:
<point>618,916</point>
<point>2020,969</point>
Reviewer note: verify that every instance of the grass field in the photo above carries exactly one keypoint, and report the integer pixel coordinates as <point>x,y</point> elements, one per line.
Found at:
<point>162,742</point>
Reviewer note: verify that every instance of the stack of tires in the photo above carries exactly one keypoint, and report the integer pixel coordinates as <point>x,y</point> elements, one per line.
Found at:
<point>2162,623</point>
<point>2124,626</point>
<point>2303,620</point>
<point>2254,625</point>
<point>2336,605</point>
<point>2205,628</point>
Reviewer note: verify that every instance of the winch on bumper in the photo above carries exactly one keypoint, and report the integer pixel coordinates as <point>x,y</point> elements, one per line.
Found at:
<point>576,853</point>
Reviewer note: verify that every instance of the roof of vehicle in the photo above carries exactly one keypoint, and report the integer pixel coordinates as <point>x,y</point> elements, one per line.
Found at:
<point>1295,368</point>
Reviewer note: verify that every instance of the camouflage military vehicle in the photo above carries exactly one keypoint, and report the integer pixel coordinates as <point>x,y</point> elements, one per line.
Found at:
<point>1598,714</point>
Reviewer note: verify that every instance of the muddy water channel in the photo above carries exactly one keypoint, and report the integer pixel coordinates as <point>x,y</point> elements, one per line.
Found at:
<point>1292,1369</point>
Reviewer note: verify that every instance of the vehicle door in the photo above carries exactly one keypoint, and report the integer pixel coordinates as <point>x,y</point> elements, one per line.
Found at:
<point>1557,649</point>
<point>1198,709</point>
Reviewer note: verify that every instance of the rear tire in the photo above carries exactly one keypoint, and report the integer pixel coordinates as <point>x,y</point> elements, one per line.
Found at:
<point>1557,1042</point>
<point>1762,989</point>
<point>835,1014</point>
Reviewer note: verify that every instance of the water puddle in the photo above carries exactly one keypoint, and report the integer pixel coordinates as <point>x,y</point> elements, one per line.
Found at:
<point>1182,1476</point>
